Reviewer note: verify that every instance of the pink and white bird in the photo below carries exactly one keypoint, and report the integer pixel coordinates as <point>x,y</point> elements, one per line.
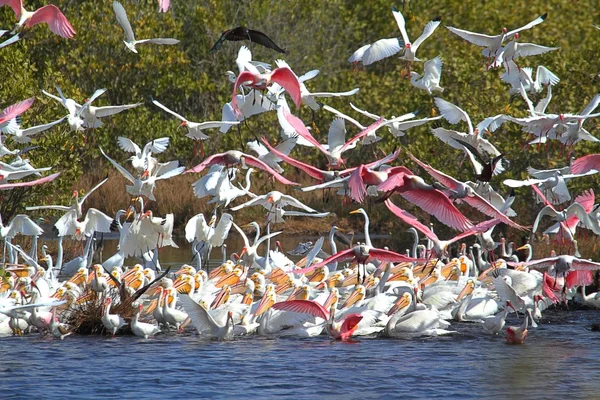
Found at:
<point>45,179</point>
<point>518,334</point>
<point>439,246</point>
<point>235,157</point>
<point>284,77</point>
<point>337,143</point>
<point>461,192</point>
<point>341,330</point>
<point>49,14</point>
<point>431,200</point>
<point>15,110</point>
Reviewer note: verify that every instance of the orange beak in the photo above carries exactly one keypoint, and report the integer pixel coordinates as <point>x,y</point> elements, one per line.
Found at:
<point>221,298</point>
<point>265,303</point>
<point>467,290</point>
<point>402,302</point>
<point>353,299</point>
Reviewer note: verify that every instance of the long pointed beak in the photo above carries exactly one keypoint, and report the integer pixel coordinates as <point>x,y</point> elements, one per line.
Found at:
<point>352,299</point>
<point>317,276</point>
<point>429,280</point>
<point>183,287</point>
<point>467,290</point>
<point>265,303</point>
<point>151,307</point>
<point>400,304</point>
<point>221,298</point>
<point>331,299</point>
<point>230,279</point>
<point>284,286</point>
<point>349,280</point>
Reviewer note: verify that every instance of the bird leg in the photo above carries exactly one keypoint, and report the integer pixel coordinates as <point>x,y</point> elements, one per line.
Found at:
<point>239,129</point>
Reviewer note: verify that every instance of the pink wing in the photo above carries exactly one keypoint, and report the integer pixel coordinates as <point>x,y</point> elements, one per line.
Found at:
<point>541,195</point>
<point>358,191</point>
<point>164,5</point>
<point>214,159</point>
<point>56,20</point>
<point>439,176</point>
<point>541,263</point>
<point>16,109</point>
<point>14,4</point>
<point>340,256</point>
<point>349,325</point>
<point>481,204</point>
<point>288,80</point>
<point>410,219</point>
<point>245,76</point>
<point>585,164</point>
<point>547,289</point>
<point>303,307</point>
<point>585,265</point>
<point>440,206</point>
<point>579,278</point>
<point>479,228</point>
<point>388,159</point>
<point>301,130</point>
<point>309,169</point>
<point>586,199</point>
<point>371,128</point>
<point>45,179</point>
<point>393,182</point>
<point>255,162</point>
<point>390,256</point>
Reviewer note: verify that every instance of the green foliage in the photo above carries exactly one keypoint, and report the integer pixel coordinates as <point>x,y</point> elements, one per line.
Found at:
<point>317,34</point>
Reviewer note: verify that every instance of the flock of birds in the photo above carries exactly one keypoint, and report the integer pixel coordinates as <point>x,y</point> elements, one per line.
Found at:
<point>360,290</point>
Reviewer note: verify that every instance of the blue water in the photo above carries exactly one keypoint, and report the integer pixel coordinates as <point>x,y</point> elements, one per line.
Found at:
<point>560,359</point>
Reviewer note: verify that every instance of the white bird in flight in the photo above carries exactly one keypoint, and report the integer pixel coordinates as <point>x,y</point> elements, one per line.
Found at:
<point>410,49</point>
<point>130,41</point>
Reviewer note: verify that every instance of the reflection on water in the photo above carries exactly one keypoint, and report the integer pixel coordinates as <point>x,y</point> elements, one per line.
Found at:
<point>558,360</point>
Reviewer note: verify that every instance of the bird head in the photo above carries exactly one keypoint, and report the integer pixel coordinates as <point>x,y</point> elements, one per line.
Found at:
<point>2,177</point>
<point>145,174</point>
<point>75,194</point>
<point>184,123</point>
<point>516,36</point>
<point>407,46</point>
<point>504,30</point>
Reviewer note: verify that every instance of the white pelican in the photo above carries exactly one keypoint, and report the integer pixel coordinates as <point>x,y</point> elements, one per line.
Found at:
<point>204,323</point>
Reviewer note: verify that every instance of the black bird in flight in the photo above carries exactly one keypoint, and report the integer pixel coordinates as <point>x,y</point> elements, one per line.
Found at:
<point>489,164</point>
<point>243,33</point>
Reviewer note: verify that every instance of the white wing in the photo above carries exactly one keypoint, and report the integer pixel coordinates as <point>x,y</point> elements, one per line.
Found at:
<point>381,49</point>
<point>197,228</point>
<point>530,25</point>
<point>453,113</point>
<point>546,211</point>
<point>168,41</point>
<point>222,230</point>
<point>433,70</point>
<point>428,31</point>
<point>358,54</point>
<point>158,145</point>
<point>96,221</point>
<point>401,24</point>
<point>291,201</point>
<point>112,110</point>
<point>171,173</point>
<point>478,39</point>
<point>593,104</point>
<point>92,190</point>
<point>40,128</point>
<point>22,224</point>
<point>119,167</point>
<point>123,21</point>
<point>173,113</point>
<point>545,77</point>
<point>337,134</point>
<point>201,319</point>
<point>128,145</point>
<point>309,75</point>
<point>243,58</point>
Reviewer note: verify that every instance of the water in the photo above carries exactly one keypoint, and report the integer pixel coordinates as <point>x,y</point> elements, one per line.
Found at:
<point>560,359</point>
